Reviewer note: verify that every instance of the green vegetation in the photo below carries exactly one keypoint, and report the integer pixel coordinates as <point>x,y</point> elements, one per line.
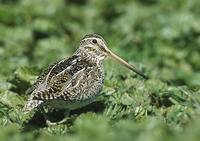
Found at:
<point>161,37</point>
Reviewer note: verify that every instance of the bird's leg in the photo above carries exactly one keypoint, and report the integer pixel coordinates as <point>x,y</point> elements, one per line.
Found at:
<point>49,123</point>
<point>66,118</point>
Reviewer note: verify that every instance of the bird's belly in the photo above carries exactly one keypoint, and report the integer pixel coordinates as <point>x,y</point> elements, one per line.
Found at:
<point>79,99</point>
<point>61,104</point>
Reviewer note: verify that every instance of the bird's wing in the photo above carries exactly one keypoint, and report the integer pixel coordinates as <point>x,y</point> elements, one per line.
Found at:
<point>41,78</point>
<point>60,67</point>
<point>54,92</point>
<point>84,85</point>
<point>46,76</point>
<point>59,80</point>
<point>74,87</point>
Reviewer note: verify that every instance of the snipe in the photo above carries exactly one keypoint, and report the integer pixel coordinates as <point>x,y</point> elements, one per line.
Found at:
<point>74,82</point>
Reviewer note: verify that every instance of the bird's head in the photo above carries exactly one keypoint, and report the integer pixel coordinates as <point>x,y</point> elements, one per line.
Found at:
<point>96,46</point>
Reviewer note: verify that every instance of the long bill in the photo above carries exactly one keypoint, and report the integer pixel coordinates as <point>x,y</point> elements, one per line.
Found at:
<point>124,63</point>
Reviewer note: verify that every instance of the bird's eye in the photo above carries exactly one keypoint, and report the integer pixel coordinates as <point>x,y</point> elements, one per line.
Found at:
<point>94,41</point>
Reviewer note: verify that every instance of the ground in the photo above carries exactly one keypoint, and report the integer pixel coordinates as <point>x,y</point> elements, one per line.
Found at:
<point>160,37</point>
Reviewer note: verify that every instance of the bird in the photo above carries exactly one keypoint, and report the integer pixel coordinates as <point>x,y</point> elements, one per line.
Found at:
<point>76,81</point>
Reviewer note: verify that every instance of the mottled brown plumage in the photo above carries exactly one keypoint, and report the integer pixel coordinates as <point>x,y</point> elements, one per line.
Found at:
<point>75,81</point>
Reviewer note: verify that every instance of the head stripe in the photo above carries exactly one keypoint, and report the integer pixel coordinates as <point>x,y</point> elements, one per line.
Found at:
<point>92,35</point>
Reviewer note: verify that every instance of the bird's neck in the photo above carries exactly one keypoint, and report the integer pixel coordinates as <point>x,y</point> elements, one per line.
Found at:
<point>88,56</point>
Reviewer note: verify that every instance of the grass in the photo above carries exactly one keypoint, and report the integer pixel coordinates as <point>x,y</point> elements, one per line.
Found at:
<point>161,37</point>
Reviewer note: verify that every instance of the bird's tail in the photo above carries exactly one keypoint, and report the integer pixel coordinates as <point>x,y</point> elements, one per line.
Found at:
<point>31,105</point>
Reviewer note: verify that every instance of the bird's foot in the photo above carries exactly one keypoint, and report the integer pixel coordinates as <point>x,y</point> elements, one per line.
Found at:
<point>49,123</point>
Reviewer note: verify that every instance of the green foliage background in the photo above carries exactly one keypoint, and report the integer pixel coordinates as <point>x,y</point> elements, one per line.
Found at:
<point>161,37</point>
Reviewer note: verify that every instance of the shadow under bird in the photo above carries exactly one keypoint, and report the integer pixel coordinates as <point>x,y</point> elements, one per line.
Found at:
<point>73,82</point>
